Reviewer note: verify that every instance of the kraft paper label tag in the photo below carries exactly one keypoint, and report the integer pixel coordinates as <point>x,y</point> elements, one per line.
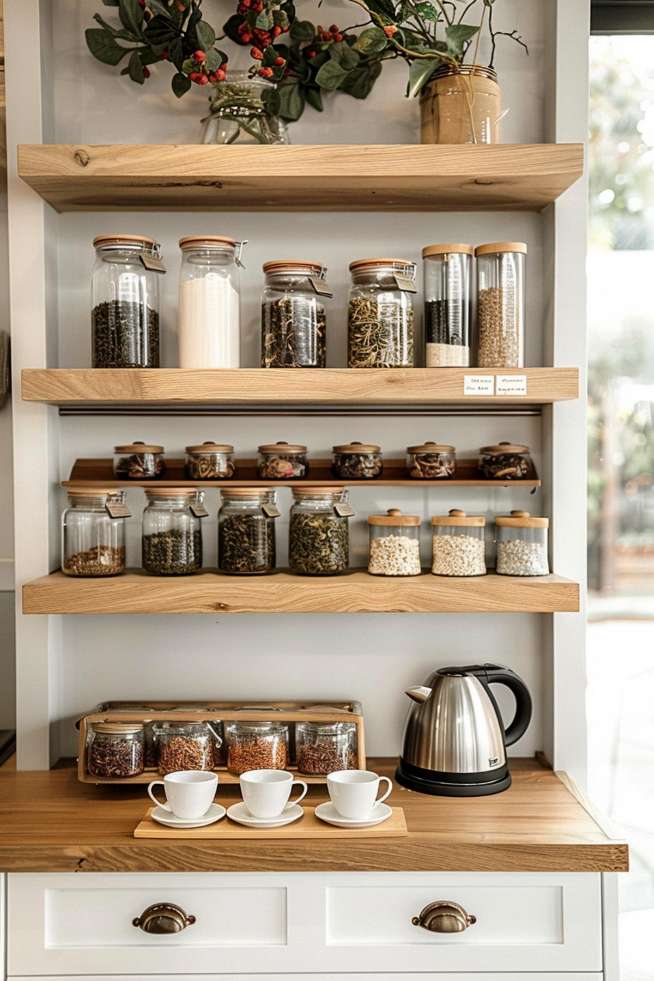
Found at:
<point>406,284</point>
<point>117,509</point>
<point>478,385</point>
<point>199,510</point>
<point>153,262</point>
<point>270,510</point>
<point>510,384</point>
<point>320,287</point>
<point>343,510</point>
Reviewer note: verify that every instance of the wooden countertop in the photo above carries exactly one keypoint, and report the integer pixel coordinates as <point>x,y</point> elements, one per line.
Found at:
<point>51,823</point>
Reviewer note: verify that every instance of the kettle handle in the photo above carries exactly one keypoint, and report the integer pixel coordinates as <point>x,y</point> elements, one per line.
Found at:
<point>496,675</point>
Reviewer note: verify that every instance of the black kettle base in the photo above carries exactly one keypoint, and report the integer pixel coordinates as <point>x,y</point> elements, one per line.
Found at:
<point>452,784</point>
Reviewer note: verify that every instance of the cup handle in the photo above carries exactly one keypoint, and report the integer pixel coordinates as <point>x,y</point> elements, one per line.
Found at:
<point>299,783</point>
<point>155,783</point>
<point>383,797</point>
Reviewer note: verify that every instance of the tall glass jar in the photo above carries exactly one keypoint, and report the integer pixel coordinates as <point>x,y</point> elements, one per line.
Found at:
<point>256,746</point>
<point>172,539</point>
<point>323,747</point>
<point>115,750</point>
<point>501,304</point>
<point>461,105</point>
<point>186,745</point>
<point>125,302</point>
<point>92,542</point>
<point>458,547</point>
<point>448,301</point>
<point>394,548</point>
<point>318,538</point>
<point>521,544</point>
<point>244,110</point>
<point>209,302</point>
<point>293,315</point>
<point>380,314</point>
<point>246,531</point>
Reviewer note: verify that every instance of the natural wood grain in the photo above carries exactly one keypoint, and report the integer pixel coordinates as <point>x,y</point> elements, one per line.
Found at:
<point>283,592</point>
<point>300,178</point>
<point>51,823</point>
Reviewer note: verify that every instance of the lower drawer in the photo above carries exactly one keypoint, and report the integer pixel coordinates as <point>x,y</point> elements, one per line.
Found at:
<point>331,977</point>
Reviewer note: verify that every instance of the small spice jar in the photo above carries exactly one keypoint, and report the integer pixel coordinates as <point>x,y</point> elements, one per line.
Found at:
<point>210,461</point>
<point>380,314</point>
<point>139,461</point>
<point>521,545</point>
<point>431,461</point>
<point>501,304</point>
<point>458,547</point>
<point>323,747</point>
<point>92,541</point>
<point>318,538</point>
<point>293,316</point>
<point>394,544</point>
<point>172,539</point>
<point>505,461</point>
<point>448,303</point>
<point>186,745</point>
<point>357,461</point>
<point>209,302</point>
<point>115,749</point>
<point>282,461</point>
<point>256,746</point>
<point>246,531</point>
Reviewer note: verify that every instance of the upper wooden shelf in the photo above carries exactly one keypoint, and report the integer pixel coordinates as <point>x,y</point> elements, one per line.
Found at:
<point>300,178</point>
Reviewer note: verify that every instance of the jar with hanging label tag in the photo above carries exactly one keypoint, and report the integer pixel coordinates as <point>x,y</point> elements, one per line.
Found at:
<point>319,541</point>
<point>380,314</point>
<point>293,314</point>
<point>93,533</point>
<point>246,531</point>
<point>172,539</point>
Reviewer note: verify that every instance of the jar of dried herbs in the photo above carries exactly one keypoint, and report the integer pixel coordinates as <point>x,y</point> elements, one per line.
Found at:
<point>394,544</point>
<point>357,461</point>
<point>139,461</point>
<point>172,539</point>
<point>256,746</point>
<point>521,544</point>
<point>293,315</point>
<point>431,461</point>
<point>282,461</point>
<point>448,303</point>
<point>501,304</point>
<point>323,747</point>
<point>93,533</point>
<point>125,302</point>
<point>505,461</point>
<point>210,461</point>
<point>246,531</point>
<point>319,541</point>
<point>186,745</point>
<point>380,314</point>
<point>115,750</point>
<point>458,547</point>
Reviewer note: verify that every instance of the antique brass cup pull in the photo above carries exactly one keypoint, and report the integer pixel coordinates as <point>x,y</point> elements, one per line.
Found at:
<point>163,918</point>
<point>444,917</point>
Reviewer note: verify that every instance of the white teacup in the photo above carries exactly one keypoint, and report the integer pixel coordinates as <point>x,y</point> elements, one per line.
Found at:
<point>266,792</point>
<point>189,793</point>
<point>354,792</point>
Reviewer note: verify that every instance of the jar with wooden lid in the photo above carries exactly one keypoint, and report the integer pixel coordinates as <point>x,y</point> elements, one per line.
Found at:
<point>461,104</point>
<point>172,539</point>
<point>210,461</point>
<point>256,746</point>
<point>293,314</point>
<point>505,461</point>
<point>448,303</point>
<point>501,268</point>
<point>458,547</point>
<point>115,750</point>
<point>380,314</point>
<point>92,538</point>
<point>357,461</point>
<point>323,747</point>
<point>521,544</point>
<point>246,530</point>
<point>282,461</point>
<point>319,543</point>
<point>394,544</point>
<point>139,461</point>
<point>186,745</point>
<point>209,302</point>
<point>431,461</point>
<point>125,301</point>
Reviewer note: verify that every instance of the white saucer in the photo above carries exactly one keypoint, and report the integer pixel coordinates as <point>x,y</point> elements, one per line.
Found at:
<point>240,814</point>
<point>328,813</point>
<point>162,816</point>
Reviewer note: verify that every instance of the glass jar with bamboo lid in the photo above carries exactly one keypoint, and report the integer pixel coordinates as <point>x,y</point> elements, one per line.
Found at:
<point>461,104</point>
<point>394,548</point>
<point>501,304</point>
<point>209,302</point>
<point>115,750</point>
<point>282,461</point>
<point>431,461</point>
<point>521,544</point>
<point>92,539</point>
<point>293,314</point>
<point>505,461</point>
<point>357,461</point>
<point>139,461</point>
<point>458,547</point>
<point>171,537</point>
<point>318,538</point>
<point>380,314</point>
<point>246,530</point>
<point>210,461</point>
<point>448,301</point>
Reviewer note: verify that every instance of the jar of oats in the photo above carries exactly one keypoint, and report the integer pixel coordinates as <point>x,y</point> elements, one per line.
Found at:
<point>394,544</point>
<point>521,544</point>
<point>501,304</point>
<point>458,547</point>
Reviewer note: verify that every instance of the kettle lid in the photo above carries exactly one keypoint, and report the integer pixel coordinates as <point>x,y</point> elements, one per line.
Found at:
<point>464,669</point>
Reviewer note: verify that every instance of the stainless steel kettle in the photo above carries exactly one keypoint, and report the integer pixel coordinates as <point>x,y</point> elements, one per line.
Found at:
<point>455,741</point>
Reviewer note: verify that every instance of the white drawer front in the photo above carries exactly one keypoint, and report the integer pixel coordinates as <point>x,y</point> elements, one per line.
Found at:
<point>330,977</point>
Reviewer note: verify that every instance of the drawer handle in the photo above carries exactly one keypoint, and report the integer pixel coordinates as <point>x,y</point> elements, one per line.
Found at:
<point>163,918</point>
<point>444,917</point>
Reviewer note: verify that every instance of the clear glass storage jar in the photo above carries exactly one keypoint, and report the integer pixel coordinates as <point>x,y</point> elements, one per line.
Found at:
<point>380,314</point>
<point>256,746</point>
<point>448,303</point>
<point>394,548</point>
<point>246,531</point>
<point>323,747</point>
<point>125,302</point>
<point>458,547</point>
<point>357,461</point>
<point>293,315</point>
<point>242,110</point>
<point>282,461</point>
<point>521,542</point>
<point>318,537</point>
<point>172,539</point>
<point>209,302</point>
<point>210,461</point>
<point>115,750</point>
<point>139,461</point>
<point>186,745</point>
<point>501,304</point>
<point>431,461</point>
<point>505,461</point>
<point>92,542</point>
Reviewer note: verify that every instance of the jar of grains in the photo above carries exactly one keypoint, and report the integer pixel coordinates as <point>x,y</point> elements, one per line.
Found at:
<point>394,544</point>
<point>448,289</point>
<point>139,461</point>
<point>209,317</point>
<point>458,547</point>
<point>318,538</point>
<point>282,461</point>
<point>380,314</point>
<point>521,545</point>
<point>186,745</point>
<point>246,530</point>
<point>125,302</point>
<point>323,747</point>
<point>357,461</point>
<point>501,304</point>
<point>505,461</point>
<point>92,541</point>
<point>210,461</point>
<point>256,746</point>
<point>115,749</point>
<point>293,317</point>
<point>172,540</point>
<point>431,461</point>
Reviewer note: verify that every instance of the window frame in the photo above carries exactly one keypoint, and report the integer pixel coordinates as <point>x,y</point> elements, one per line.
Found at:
<point>622,17</point>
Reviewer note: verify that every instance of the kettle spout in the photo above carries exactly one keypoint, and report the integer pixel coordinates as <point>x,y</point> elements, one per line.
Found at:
<point>418,694</point>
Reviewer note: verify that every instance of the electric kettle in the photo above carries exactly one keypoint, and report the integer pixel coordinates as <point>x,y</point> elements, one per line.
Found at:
<point>455,741</point>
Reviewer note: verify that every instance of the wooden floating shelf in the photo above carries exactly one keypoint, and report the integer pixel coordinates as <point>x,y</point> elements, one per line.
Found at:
<point>282,592</point>
<point>300,178</point>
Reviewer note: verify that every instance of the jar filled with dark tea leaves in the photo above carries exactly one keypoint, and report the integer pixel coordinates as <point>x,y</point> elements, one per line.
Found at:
<point>256,746</point>
<point>323,747</point>
<point>186,745</point>
<point>380,314</point>
<point>431,461</point>
<point>92,538</point>
<point>448,302</point>
<point>505,461</point>
<point>172,539</point>
<point>115,749</point>
<point>293,315</point>
<point>282,461</point>
<point>139,461</point>
<point>246,531</point>
<point>210,461</point>
<point>357,461</point>
<point>319,541</point>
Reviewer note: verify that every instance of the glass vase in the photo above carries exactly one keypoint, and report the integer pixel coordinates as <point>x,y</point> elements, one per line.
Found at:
<point>241,111</point>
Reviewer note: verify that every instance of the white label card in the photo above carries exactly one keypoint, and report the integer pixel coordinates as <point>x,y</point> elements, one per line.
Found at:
<point>510,384</point>
<point>478,385</point>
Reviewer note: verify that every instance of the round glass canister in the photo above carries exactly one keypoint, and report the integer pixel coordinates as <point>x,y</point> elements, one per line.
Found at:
<point>458,547</point>
<point>293,315</point>
<point>186,745</point>
<point>139,461</point>
<point>125,302</point>
<point>501,304</point>
<point>256,746</point>
<point>431,461</point>
<point>461,105</point>
<point>92,542</point>
<point>115,750</point>
<point>210,461</point>
<point>172,539</point>
<point>246,531</point>
<point>357,461</point>
<point>394,544</point>
<point>318,537</point>
<point>323,747</point>
<point>380,314</point>
<point>244,110</point>
<point>521,545</point>
<point>209,302</point>
<point>282,461</point>
<point>505,461</point>
<point>448,302</point>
